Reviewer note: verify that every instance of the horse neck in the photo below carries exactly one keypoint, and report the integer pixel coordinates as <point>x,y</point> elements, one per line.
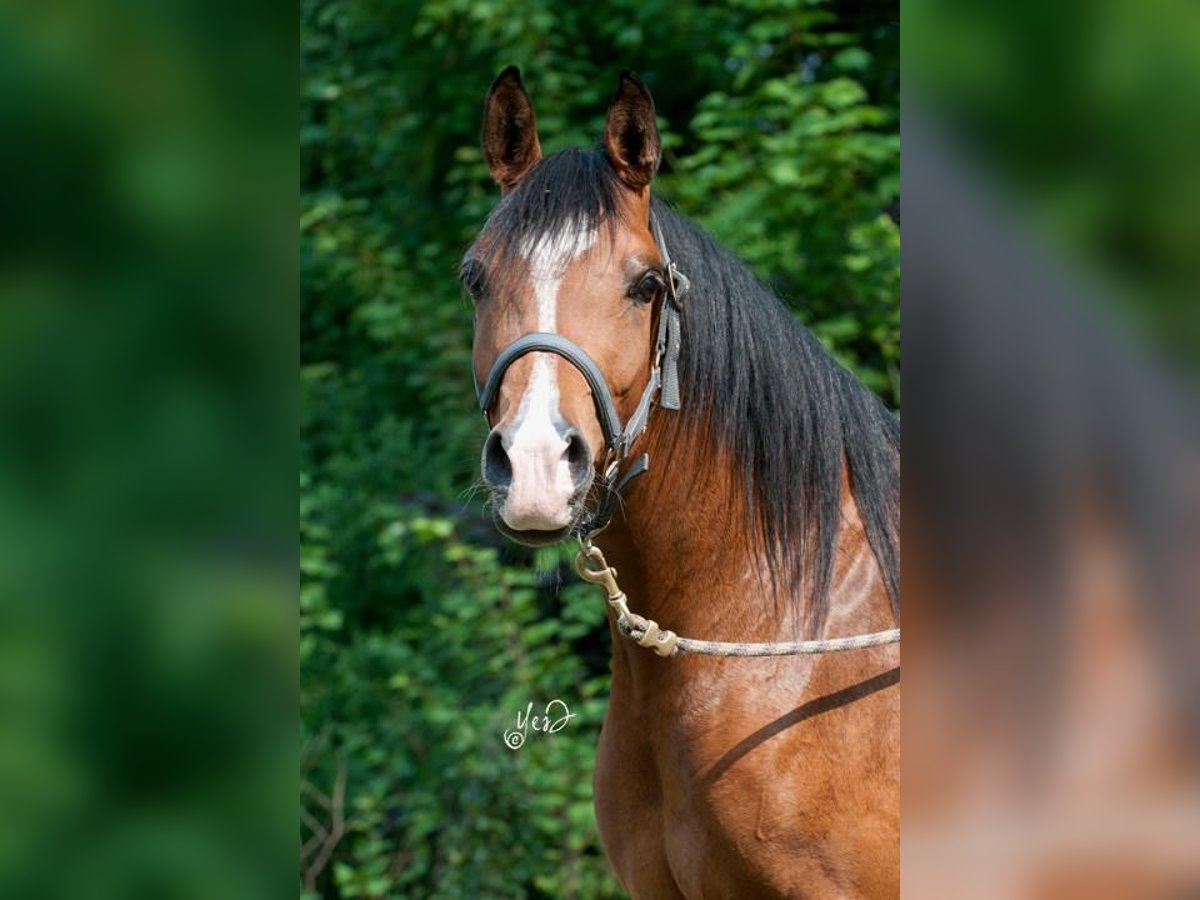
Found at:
<point>684,546</point>
<point>690,558</point>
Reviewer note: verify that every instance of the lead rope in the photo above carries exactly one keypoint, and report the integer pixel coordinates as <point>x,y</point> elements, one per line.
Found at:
<point>647,633</point>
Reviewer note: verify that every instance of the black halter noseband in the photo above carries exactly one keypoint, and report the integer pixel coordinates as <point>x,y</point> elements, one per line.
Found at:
<point>663,384</point>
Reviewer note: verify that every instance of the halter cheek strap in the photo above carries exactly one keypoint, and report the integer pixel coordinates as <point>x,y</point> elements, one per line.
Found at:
<point>662,386</point>
<point>669,336</point>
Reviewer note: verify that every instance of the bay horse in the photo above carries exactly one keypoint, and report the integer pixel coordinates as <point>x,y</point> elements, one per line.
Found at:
<point>645,390</point>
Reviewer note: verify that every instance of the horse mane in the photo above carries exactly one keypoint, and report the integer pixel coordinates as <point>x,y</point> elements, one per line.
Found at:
<point>793,418</point>
<point>754,381</point>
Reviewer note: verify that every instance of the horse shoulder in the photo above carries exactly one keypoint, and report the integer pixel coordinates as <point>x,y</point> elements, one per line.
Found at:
<point>786,792</point>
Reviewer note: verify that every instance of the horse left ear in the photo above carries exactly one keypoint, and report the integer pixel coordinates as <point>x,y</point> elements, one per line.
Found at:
<point>631,134</point>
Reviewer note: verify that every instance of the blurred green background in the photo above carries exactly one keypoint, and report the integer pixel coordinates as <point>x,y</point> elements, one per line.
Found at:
<point>1081,121</point>
<point>148,659</point>
<point>422,633</point>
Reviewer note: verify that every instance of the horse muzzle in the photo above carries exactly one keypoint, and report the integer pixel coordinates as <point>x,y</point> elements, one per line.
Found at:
<point>539,479</point>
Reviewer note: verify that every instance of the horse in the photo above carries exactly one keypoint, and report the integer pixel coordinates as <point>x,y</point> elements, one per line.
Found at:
<point>646,393</point>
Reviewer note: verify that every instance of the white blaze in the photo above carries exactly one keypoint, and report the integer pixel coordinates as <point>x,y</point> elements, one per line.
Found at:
<point>541,476</point>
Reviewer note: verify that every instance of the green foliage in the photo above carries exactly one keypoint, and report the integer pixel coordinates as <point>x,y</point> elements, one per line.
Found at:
<point>414,713</point>
<point>796,173</point>
<point>422,634</point>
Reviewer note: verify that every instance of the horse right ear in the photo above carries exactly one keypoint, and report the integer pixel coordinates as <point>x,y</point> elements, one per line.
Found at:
<point>510,141</point>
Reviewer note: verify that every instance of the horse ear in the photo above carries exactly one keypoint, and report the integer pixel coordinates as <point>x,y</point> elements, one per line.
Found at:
<point>510,141</point>
<point>631,135</point>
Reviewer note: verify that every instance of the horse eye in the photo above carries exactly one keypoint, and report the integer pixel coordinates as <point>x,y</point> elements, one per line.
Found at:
<point>472,277</point>
<point>647,287</point>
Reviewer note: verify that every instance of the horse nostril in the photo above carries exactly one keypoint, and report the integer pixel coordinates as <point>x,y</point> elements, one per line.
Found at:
<point>578,457</point>
<point>497,468</point>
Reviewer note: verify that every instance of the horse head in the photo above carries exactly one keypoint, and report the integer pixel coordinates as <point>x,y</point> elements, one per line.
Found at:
<point>568,284</point>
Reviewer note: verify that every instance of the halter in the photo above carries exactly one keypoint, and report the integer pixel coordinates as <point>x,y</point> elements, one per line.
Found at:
<point>663,386</point>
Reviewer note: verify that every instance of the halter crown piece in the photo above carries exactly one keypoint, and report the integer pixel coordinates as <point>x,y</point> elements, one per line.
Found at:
<point>663,386</point>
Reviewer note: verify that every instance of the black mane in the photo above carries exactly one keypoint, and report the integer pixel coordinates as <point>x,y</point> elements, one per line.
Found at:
<point>754,381</point>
